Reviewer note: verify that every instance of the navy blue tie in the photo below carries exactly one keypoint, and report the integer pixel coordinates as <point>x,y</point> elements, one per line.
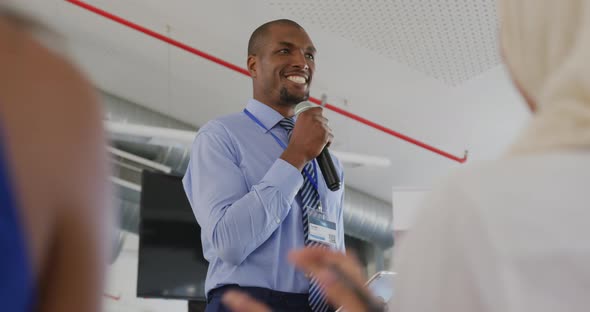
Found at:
<point>310,199</point>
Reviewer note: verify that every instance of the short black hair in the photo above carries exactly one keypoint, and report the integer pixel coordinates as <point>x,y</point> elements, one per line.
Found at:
<point>257,37</point>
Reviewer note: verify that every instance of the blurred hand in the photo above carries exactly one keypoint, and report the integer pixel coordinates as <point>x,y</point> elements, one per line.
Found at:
<point>320,262</point>
<point>309,137</point>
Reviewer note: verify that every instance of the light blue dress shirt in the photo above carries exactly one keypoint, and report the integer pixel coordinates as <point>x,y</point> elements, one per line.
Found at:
<point>245,198</point>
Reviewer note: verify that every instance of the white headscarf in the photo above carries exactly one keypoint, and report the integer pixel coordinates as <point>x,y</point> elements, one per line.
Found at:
<point>546,45</point>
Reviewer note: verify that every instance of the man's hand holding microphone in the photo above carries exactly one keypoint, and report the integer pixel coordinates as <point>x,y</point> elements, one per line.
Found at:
<point>309,137</point>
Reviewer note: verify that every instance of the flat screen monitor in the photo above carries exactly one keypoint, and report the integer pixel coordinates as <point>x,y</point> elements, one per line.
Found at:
<point>171,263</point>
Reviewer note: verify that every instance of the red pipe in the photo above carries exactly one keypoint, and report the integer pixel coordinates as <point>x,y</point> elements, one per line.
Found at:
<point>245,72</point>
<point>392,132</point>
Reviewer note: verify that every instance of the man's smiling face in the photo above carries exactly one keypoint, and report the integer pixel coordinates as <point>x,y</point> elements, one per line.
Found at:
<point>284,66</point>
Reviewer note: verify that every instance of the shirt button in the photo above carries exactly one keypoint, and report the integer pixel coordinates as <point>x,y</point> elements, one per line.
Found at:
<point>278,221</point>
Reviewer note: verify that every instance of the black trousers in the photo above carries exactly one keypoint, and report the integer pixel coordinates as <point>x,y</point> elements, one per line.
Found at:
<point>278,301</point>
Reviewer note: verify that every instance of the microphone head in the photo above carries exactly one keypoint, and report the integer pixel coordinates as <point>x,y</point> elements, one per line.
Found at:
<point>303,106</point>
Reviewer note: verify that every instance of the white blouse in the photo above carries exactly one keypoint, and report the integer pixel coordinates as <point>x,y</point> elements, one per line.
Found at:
<point>510,236</point>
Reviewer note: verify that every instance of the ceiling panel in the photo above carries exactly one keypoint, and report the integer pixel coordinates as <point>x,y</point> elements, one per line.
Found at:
<point>450,40</point>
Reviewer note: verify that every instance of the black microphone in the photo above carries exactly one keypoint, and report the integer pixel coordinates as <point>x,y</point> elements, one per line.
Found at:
<point>324,159</point>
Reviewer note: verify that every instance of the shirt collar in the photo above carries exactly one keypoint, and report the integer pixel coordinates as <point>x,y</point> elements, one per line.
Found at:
<point>267,116</point>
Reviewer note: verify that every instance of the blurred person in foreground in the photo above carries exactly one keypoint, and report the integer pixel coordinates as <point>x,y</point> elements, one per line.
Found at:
<point>509,235</point>
<point>53,179</point>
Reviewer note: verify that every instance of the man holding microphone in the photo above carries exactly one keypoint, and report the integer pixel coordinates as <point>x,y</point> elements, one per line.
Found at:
<point>254,184</point>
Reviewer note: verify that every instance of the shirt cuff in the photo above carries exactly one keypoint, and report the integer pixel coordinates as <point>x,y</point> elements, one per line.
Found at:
<point>285,177</point>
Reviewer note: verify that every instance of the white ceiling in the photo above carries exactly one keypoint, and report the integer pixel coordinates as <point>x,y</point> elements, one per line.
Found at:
<point>429,71</point>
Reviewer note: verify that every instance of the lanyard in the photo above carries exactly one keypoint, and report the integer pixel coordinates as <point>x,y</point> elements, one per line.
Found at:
<point>314,182</point>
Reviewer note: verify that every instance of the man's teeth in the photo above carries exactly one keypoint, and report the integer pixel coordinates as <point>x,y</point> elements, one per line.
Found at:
<point>297,79</point>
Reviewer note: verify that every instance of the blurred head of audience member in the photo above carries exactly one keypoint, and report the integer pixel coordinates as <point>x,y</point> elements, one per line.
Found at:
<point>54,213</point>
<point>545,45</point>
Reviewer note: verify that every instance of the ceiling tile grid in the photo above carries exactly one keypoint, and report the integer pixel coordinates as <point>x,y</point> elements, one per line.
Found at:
<point>449,40</point>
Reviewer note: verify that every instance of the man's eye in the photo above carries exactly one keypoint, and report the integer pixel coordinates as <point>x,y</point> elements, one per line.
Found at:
<point>310,56</point>
<point>284,51</point>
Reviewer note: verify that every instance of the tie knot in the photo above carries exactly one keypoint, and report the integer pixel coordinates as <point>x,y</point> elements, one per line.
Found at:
<point>287,124</point>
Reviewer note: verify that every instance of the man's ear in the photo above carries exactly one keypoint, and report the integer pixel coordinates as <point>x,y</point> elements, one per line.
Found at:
<point>252,65</point>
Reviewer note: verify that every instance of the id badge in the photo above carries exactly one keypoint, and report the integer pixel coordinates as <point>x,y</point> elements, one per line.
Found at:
<point>321,230</point>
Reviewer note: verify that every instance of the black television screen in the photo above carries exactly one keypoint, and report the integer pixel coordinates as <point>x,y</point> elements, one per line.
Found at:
<point>171,263</point>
